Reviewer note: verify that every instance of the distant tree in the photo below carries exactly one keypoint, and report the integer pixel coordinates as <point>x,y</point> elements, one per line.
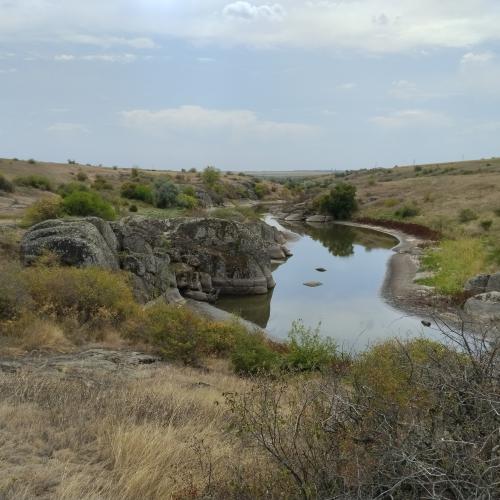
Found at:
<point>340,202</point>
<point>210,176</point>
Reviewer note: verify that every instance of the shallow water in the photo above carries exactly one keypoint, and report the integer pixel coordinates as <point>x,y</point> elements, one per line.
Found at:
<point>348,305</point>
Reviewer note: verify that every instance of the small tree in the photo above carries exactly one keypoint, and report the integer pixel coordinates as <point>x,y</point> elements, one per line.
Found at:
<point>210,176</point>
<point>165,194</point>
<point>341,202</point>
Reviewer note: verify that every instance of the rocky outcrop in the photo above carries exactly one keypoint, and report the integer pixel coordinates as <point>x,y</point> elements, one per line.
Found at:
<point>485,306</point>
<point>483,283</point>
<point>201,258</point>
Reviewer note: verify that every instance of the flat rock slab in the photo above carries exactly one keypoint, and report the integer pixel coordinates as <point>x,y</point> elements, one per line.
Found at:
<point>321,269</point>
<point>313,284</point>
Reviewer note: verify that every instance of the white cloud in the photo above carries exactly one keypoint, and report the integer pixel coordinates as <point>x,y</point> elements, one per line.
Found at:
<point>67,128</point>
<point>8,71</point>
<point>368,25</point>
<point>480,72</point>
<point>412,118</point>
<point>111,41</point>
<point>64,57</point>
<point>250,12</point>
<point>347,86</point>
<point>112,58</point>
<point>198,119</point>
<point>205,60</point>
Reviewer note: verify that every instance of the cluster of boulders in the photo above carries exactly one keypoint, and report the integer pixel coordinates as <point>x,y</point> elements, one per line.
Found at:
<point>197,258</point>
<point>485,301</point>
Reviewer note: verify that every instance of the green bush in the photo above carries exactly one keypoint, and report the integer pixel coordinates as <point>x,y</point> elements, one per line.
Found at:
<point>88,203</point>
<point>189,190</point>
<point>252,355</point>
<point>340,202</point>
<point>14,298</point>
<point>467,215</point>
<point>91,294</point>
<point>81,176</point>
<point>486,224</point>
<point>210,176</point>
<point>406,211</point>
<point>66,189</point>
<point>6,185</point>
<point>134,191</point>
<point>308,351</point>
<point>133,208</point>
<point>180,334</point>
<point>186,201</point>
<point>35,181</point>
<point>44,209</point>
<point>165,194</point>
<point>101,184</point>
<point>261,189</point>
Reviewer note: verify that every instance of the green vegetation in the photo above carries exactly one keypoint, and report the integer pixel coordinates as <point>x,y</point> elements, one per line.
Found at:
<point>406,212</point>
<point>35,181</point>
<point>454,262</point>
<point>85,203</point>
<point>6,185</point>
<point>165,194</point>
<point>210,176</point>
<point>467,215</point>
<point>44,209</point>
<point>340,202</point>
<point>135,191</point>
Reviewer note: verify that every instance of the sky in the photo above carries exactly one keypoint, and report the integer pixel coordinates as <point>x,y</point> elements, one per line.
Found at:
<point>250,85</point>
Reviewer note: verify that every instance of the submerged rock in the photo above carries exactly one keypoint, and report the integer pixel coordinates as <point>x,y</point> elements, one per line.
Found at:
<point>313,284</point>
<point>200,257</point>
<point>321,269</point>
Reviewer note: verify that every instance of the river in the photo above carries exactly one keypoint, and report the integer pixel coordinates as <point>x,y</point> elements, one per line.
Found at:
<point>348,306</point>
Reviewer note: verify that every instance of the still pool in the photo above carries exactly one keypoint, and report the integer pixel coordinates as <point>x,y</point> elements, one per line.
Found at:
<point>348,306</point>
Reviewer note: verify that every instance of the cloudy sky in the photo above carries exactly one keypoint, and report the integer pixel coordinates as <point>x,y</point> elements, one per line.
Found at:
<point>253,84</point>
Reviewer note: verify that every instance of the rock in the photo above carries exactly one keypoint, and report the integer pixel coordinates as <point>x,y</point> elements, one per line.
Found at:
<point>83,243</point>
<point>313,284</point>
<point>484,306</point>
<point>201,257</point>
<point>477,284</point>
<point>286,251</point>
<point>321,269</point>
<point>298,216</point>
<point>319,218</point>
<point>493,283</point>
<point>426,323</point>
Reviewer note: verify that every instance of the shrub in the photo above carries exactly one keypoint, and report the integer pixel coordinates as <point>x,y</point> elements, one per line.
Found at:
<point>88,203</point>
<point>31,161</point>
<point>165,194</point>
<point>497,212</point>
<point>486,224</point>
<point>101,184</point>
<point>253,356</point>
<point>467,215</point>
<point>14,298</point>
<point>44,209</point>
<point>6,185</point>
<point>94,296</point>
<point>261,189</point>
<point>134,173</point>
<point>391,202</point>
<point>66,189</point>
<point>308,351</point>
<point>341,202</point>
<point>35,181</point>
<point>134,191</point>
<point>180,334</point>
<point>406,211</point>
<point>186,201</point>
<point>81,176</point>
<point>210,176</point>
<point>133,208</point>
<point>189,190</point>
<point>71,162</point>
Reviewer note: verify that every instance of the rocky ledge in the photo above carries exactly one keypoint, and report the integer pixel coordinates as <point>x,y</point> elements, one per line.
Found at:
<point>198,258</point>
<point>484,305</point>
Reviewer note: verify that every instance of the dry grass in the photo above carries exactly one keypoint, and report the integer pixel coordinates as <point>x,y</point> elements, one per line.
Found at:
<point>161,437</point>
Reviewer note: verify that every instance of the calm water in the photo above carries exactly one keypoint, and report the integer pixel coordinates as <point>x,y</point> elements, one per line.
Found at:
<point>348,304</point>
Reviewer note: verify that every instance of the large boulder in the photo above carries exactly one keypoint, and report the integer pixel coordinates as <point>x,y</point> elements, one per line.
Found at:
<point>88,242</point>
<point>484,306</point>
<point>483,283</point>
<point>200,257</point>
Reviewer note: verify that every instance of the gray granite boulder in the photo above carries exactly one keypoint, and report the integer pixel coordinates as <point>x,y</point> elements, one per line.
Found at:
<point>485,306</point>
<point>201,258</point>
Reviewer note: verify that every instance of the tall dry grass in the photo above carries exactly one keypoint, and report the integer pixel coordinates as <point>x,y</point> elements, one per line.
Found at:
<point>167,436</point>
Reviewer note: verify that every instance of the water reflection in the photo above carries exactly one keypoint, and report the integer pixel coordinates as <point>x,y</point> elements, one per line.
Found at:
<point>348,304</point>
